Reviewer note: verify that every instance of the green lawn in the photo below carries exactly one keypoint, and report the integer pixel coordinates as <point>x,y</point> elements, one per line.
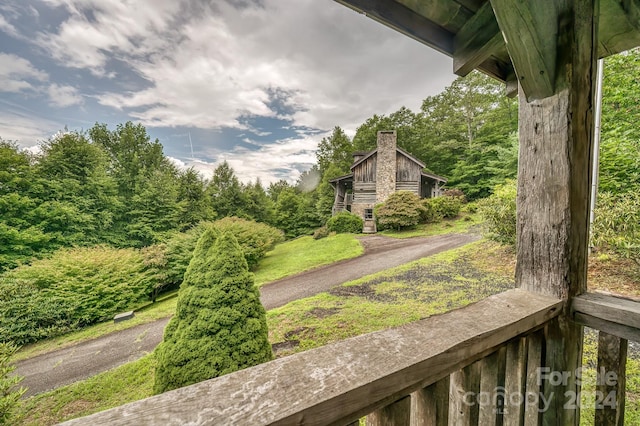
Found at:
<point>460,224</point>
<point>305,253</point>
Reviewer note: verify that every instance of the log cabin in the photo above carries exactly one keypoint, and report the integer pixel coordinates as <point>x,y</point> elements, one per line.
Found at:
<point>377,174</point>
<point>522,349</point>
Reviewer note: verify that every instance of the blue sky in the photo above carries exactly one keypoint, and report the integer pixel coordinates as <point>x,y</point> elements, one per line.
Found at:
<point>257,83</point>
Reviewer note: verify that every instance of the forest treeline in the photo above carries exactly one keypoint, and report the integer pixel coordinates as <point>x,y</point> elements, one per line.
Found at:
<point>115,187</point>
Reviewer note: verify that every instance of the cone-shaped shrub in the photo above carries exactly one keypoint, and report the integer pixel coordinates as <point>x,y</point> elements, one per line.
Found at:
<point>220,325</point>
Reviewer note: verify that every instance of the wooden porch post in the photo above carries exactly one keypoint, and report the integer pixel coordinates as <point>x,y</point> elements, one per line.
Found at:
<point>553,49</point>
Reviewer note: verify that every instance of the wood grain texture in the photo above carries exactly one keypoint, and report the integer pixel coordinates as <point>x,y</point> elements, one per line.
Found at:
<point>430,406</point>
<point>514,381</point>
<point>395,414</point>
<point>530,33</point>
<point>611,383</point>
<point>463,392</point>
<point>477,40</point>
<point>608,308</point>
<point>339,383</point>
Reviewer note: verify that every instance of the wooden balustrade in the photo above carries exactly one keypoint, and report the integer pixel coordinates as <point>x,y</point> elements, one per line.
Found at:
<point>397,376</point>
<point>617,320</point>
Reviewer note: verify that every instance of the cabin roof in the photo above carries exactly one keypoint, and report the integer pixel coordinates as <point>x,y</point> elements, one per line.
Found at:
<point>468,31</point>
<point>400,150</point>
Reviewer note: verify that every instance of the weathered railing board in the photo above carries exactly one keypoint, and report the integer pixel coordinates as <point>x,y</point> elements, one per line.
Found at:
<point>514,381</point>
<point>338,383</point>
<point>621,314</point>
<point>535,344</point>
<point>430,405</point>
<point>396,414</point>
<point>464,383</point>
<point>620,330</point>
<point>491,377</point>
<point>610,389</point>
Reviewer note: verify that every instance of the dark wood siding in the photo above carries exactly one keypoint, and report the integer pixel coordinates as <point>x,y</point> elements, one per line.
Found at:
<point>364,192</point>
<point>407,174</point>
<point>407,170</point>
<point>366,171</point>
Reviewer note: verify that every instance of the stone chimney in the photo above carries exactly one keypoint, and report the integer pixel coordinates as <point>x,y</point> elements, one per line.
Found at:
<point>386,165</point>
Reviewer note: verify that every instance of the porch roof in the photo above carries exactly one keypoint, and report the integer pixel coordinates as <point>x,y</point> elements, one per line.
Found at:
<point>469,32</point>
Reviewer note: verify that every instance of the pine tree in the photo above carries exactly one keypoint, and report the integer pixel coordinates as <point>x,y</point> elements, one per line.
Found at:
<point>220,325</point>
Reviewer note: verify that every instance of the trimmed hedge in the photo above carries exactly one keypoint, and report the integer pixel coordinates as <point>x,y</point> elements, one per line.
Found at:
<point>220,325</point>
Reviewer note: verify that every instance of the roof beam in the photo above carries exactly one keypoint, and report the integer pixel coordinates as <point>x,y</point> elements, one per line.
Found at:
<point>619,26</point>
<point>406,21</point>
<point>476,41</point>
<point>530,34</point>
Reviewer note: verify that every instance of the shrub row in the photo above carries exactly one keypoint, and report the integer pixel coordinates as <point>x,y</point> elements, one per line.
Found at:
<point>405,209</point>
<point>72,289</point>
<point>78,287</point>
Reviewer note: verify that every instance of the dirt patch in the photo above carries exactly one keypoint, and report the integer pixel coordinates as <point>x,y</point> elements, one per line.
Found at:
<point>299,332</point>
<point>364,290</point>
<point>323,312</point>
<point>287,345</point>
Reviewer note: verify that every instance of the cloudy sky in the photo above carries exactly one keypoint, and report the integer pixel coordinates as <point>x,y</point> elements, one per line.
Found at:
<point>255,82</point>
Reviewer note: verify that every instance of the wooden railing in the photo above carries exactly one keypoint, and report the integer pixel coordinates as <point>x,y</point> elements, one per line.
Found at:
<point>618,321</point>
<point>475,365</point>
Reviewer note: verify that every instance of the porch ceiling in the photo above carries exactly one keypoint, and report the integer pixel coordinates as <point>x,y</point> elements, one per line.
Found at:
<point>469,32</point>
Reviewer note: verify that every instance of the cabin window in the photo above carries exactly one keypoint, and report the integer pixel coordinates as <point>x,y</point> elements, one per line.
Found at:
<point>368,214</point>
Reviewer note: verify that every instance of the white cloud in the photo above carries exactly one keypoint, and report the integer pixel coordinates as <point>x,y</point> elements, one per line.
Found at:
<point>270,163</point>
<point>15,73</point>
<point>211,67</point>
<point>8,28</point>
<point>63,96</point>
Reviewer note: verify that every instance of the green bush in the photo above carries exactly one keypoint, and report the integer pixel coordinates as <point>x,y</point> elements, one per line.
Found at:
<point>616,225</point>
<point>446,206</point>
<point>255,238</point>
<point>322,232</point>
<point>499,213</point>
<point>402,209</point>
<point>455,193</point>
<point>72,289</point>
<point>9,395</point>
<point>429,213</point>
<point>344,223</point>
<point>220,325</point>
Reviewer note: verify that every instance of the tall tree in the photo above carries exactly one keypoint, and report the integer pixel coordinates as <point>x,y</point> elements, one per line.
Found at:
<point>259,206</point>
<point>336,150</point>
<point>78,188</point>
<point>133,155</point>
<point>194,204</point>
<point>226,193</point>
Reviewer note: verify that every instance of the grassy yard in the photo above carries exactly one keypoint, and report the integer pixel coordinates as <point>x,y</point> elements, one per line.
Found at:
<point>305,253</point>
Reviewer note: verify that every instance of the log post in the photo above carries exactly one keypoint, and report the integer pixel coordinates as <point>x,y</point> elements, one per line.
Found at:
<point>554,177</point>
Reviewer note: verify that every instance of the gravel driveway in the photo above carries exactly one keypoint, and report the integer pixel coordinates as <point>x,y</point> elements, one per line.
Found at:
<point>78,362</point>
